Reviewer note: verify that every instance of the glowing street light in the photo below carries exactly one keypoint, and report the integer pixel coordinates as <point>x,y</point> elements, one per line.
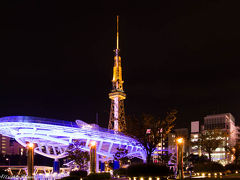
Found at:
<point>93,143</point>
<point>30,160</point>
<point>93,158</point>
<point>180,142</point>
<point>7,159</point>
<point>30,145</point>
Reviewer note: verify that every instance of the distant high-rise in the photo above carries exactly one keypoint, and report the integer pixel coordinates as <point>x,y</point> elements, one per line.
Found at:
<point>117,115</point>
<point>9,146</point>
<point>224,123</point>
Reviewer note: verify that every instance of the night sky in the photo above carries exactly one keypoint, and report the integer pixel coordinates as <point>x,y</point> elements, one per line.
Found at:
<point>57,58</point>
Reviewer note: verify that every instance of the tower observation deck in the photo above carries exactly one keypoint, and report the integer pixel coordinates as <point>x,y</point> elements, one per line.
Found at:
<point>117,120</point>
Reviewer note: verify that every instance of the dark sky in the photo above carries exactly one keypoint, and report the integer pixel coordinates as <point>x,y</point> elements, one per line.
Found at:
<point>57,57</point>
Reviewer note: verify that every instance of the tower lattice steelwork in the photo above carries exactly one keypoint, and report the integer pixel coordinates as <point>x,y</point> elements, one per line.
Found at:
<point>117,115</point>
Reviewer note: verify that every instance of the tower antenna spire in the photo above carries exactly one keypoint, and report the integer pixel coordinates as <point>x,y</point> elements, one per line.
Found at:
<point>117,95</point>
<point>117,32</point>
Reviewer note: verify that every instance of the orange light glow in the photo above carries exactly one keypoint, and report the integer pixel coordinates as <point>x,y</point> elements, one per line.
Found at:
<point>180,140</point>
<point>93,143</point>
<point>30,145</point>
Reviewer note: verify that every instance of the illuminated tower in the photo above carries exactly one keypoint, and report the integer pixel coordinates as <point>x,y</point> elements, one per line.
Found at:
<point>117,116</point>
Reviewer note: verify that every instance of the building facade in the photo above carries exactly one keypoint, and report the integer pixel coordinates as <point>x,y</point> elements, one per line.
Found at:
<point>225,123</point>
<point>9,146</point>
<point>195,130</point>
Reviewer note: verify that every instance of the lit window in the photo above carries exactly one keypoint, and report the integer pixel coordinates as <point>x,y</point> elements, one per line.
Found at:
<point>21,151</point>
<point>195,136</point>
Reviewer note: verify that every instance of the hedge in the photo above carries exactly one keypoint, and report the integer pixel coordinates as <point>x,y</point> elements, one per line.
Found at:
<point>79,173</point>
<point>208,167</point>
<point>98,176</point>
<point>120,172</point>
<point>232,167</point>
<point>147,170</point>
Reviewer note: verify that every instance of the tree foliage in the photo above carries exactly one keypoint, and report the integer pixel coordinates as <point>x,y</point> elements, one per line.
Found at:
<point>136,170</point>
<point>210,140</point>
<point>165,158</point>
<point>232,167</point>
<point>235,150</point>
<point>76,154</point>
<point>149,130</point>
<point>197,159</point>
<point>121,155</point>
<point>208,167</point>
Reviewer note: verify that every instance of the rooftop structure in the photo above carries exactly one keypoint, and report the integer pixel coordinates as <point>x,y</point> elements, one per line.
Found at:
<point>52,137</point>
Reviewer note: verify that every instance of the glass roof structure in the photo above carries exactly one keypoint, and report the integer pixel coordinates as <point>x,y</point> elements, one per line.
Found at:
<point>52,137</point>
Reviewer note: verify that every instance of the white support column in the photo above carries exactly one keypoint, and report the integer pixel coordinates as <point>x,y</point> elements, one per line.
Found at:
<point>99,146</point>
<point>47,150</point>
<point>65,149</point>
<point>131,149</point>
<point>87,143</point>
<point>110,147</point>
<point>60,150</point>
<point>54,150</point>
<point>97,163</point>
<point>39,147</point>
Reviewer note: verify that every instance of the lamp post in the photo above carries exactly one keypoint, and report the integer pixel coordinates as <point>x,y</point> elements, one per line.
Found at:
<point>30,160</point>
<point>93,156</point>
<point>180,142</point>
<point>7,159</point>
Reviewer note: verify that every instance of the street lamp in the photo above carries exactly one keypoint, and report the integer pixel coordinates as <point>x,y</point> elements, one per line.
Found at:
<point>93,159</point>
<point>180,142</point>
<point>7,159</point>
<point>30,160</point>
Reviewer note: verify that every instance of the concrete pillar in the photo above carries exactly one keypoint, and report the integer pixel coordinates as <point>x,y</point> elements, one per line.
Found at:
<point>93,157</point>
<point>97,163</point>
<point>56,166</point>
<point>30,160</point>
<point>180,158</point>
<point>102,166</point>
<point>116,165</point>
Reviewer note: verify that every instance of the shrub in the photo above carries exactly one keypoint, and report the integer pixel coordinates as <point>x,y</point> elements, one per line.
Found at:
<point>3,172</point>
<point>98,176</point>
<point>120,172</point>
<point>71,178</point>
<point>79,173</point>
<point>76,175</point>
<point>232,167</point>
<point>147,170</point>
<point>208,167</point>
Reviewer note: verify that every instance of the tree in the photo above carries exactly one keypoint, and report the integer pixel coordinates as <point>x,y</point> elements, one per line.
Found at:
<point>75,153</point>
<point>209,141</point>
<point>173,159</point>
<point>197,159</point>
<point>149,130</point>
<point>165,158</point>
<point>121,155</point>
<point>235,150</point>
